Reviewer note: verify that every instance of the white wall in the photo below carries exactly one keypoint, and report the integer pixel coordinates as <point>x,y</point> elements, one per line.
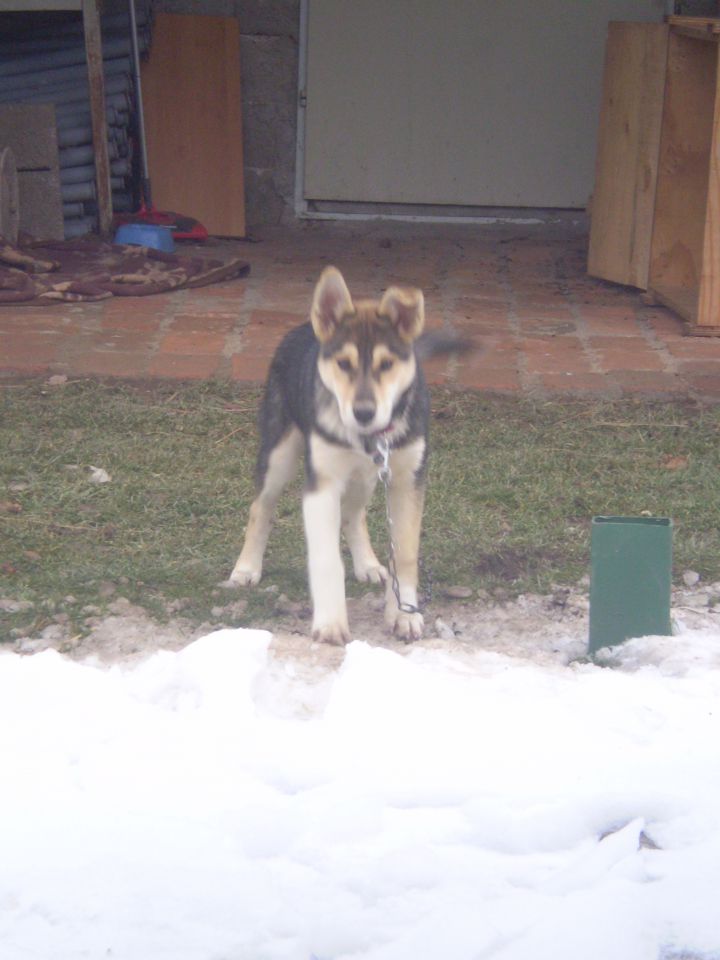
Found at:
<point>469,102</point>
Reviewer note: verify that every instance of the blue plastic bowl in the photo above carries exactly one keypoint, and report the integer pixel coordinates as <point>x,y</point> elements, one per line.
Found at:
<point>146,235</point>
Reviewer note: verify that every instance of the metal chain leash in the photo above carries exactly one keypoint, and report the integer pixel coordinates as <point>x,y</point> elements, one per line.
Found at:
<point>382,459</point>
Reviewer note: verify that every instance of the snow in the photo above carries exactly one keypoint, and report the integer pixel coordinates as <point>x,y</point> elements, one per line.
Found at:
<point>220,803</point>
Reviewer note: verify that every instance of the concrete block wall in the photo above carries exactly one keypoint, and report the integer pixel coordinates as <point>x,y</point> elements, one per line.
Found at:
<point>269,31</point>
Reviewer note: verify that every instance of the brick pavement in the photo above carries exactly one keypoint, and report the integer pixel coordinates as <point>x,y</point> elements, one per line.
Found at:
<point>520,290</point>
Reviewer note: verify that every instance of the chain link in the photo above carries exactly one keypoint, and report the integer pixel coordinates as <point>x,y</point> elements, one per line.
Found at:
<point>382,459</point>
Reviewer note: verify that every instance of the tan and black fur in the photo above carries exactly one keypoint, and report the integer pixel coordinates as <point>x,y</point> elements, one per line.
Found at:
<point>336,386</point>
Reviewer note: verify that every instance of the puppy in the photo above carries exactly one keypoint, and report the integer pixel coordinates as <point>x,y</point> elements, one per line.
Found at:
<point>346,391</point>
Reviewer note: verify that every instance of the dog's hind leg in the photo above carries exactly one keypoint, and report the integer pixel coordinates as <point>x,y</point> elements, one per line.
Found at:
<point>274,472</point>
<point>354,525</point>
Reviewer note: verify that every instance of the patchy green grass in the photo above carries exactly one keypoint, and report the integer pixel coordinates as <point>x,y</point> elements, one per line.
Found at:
<point>513,487</point>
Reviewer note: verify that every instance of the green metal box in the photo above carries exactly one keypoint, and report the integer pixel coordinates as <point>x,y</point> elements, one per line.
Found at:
<point>630,579</point>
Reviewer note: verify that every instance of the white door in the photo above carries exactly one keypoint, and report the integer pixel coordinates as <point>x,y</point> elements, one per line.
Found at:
<point>454,102</point>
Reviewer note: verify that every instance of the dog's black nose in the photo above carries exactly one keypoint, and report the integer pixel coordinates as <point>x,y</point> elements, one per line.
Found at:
<point>364,413</point>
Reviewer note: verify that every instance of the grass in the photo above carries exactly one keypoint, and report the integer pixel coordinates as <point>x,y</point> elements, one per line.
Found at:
<point>513,487</point>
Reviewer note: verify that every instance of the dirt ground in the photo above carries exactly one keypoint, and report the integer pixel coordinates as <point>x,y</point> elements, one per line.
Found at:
<point>545,630</point>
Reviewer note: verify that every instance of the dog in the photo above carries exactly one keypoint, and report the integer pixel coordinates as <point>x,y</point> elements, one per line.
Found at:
<point>347,391</point>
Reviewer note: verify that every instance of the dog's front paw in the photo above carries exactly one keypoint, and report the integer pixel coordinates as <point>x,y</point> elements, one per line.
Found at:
<point>337,634</point>
<point>245,575</point>
<point>372,573</point>
<point>408,626</point>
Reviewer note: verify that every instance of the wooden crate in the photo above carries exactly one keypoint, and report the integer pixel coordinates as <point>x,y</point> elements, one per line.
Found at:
<point>627,154</point>
<point>656,207</point>
<point>685,253</point>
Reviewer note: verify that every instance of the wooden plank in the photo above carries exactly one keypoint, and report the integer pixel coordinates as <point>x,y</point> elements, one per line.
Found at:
<point>676,260</point>
<point>96,81</point>
<point>628,144</point>
<point>191,97</point>
<point>707,28</point>
<point>709,306</point>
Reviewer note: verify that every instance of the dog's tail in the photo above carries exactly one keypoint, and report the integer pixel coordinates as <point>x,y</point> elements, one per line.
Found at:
<point>435,343</point>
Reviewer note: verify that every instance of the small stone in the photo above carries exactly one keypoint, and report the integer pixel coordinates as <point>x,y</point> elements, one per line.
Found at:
<point>459,592</point>
<point>107,589</point>
<point>560,597</point>
<point>698,601</point>
<point>691,578</point>
<point>175,606</point>
<point>57,380</point>
<point>443,630</point>
<point>99,475</point>
<point>287,607</point>
<point>27,646</point>
<point>15,606</point>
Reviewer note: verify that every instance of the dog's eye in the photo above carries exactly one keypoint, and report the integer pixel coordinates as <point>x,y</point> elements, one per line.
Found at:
<point>344,364</point>
<point>385,365</point>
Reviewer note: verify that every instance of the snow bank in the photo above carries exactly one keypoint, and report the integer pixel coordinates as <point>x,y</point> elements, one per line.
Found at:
<point>211,804</point>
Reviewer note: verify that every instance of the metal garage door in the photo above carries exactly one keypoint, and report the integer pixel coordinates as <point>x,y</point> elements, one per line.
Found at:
<point>454,102</point>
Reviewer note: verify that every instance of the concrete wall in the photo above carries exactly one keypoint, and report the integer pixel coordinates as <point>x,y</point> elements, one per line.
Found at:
<point>269,63</point>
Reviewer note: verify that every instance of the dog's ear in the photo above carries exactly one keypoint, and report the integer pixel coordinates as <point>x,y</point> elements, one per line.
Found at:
<point>331,302</point>
<point>406,310</point>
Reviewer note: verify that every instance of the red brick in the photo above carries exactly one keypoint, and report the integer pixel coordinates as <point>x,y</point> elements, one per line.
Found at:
<point>600,324</point>
<point>31,348</point>
<point>550,326</point>
<point>210,322</point>
<point>129,341</point>
<point>549,310</point>
<point>706,386</point>
<point>274,320</point>
<point>695,348</point>
<point>698,368</point>
<point>651,382</point>
<point>233,290</point>
<point>437,371</point>
<point>628,353</point>
<point>555,355</point>
<point>197,343</point>
<point>249,367</point>
<point>151,306</point>
<point>111,363</point>
<point>196,367</point>
<point>578,384</point>
<point>131,321</point>
<point>503,379</point>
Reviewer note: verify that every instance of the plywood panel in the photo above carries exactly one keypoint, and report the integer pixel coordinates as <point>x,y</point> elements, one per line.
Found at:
<point>627,157</point>
<point>191,95</point>
<point>682,189</point>
<point>709,306</point>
